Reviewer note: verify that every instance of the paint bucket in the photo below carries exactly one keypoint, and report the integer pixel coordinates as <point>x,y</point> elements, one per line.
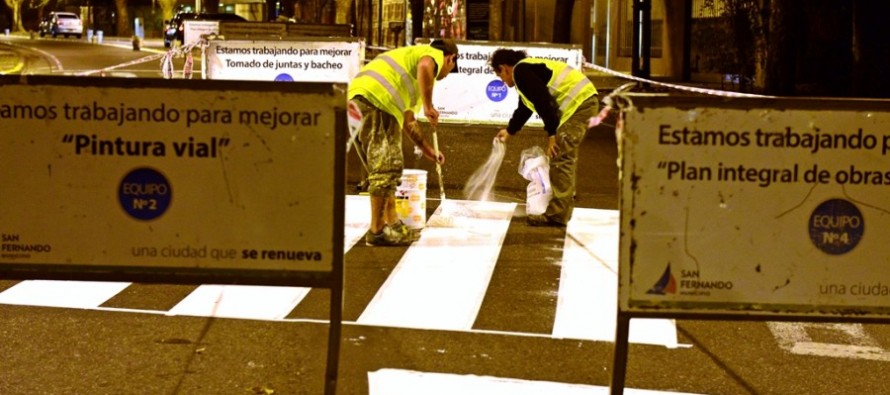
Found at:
<point>411,198</point>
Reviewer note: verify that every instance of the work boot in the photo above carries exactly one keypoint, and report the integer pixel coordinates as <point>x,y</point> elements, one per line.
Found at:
<point>542,220</point>
<point>386,237</point>
<point>401,228</point>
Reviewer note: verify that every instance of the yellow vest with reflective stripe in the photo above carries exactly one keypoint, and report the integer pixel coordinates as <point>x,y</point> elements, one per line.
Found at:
<point>568,86</point>
<point>389,82</point>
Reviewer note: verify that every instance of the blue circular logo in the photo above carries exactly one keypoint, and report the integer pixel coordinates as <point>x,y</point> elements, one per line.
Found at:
<point>836,226</point>
<point>145,193</point>
<point>284,77</point>
<point>496,90</point>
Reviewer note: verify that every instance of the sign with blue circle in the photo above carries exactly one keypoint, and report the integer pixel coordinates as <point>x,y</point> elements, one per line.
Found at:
<point>496,90</point>
<point>284,77</point>
<point>145,193</point>
<point>836,226</point>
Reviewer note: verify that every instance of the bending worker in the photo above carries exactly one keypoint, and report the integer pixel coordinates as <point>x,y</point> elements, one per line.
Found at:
<point>565,100</point>
<point>388,91</point>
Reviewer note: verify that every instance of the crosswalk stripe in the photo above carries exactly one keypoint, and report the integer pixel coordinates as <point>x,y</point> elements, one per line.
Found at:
<point>240,301</point>
<point>588,286</point>
<point>587,277</point>
<point>439,284</point>
<point>268,303</point>
<point>400,382</point>
<point>441,280</point>
<point>68,294</point>
<point>358,219</point>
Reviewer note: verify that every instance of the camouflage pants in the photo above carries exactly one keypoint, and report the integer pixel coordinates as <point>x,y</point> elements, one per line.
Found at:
<point>379,142</point>
<point>564,166</point>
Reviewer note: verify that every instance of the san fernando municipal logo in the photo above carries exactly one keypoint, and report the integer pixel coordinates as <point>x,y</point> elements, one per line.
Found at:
<point>690,283</point>
<point>665,285</point>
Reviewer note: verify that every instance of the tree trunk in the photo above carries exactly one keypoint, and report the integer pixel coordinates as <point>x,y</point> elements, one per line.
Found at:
<point>782,39</point>
<point>123,18</point>
<point>562,21</point>
<point>416,19</point>
<point>870,58</point>
<point>167,8</point>
<point>344,10</point>
<point>17,16</point>
<point>209,6</point>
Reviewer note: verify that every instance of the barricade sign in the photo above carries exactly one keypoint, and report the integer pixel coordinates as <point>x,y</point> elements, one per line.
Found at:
<point>474,94</point>
<point>752,208</point>
<point>174,182</point>
<point>192,31</point>
<point>755,205</point>
<point>316,60</point>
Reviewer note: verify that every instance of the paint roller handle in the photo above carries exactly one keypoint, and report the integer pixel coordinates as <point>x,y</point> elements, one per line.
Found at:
<point>436,153</point>
<point>438,165</point>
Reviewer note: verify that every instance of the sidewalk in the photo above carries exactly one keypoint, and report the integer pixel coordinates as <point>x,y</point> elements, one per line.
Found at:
<point>147,44</point>
<point>10,62</point>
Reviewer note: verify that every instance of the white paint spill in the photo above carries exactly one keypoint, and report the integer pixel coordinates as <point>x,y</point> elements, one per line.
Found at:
<point>794,338</point>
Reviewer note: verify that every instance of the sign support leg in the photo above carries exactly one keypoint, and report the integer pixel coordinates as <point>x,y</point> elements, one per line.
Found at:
<point>334,337</point>
<point>619,360</point>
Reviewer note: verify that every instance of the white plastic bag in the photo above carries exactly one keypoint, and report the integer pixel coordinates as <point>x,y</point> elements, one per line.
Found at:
<point>534,166</point>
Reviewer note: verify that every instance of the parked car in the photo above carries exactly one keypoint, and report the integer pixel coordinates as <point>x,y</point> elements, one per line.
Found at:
<point>64,23</point>
<point>173,29</point>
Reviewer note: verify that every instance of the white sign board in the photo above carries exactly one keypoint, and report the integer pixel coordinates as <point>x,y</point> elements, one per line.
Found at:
<point>306,61</point>
<point>751,205</point>
<point>193,30</point>
<point>180,176</point>
<point>476,95</point>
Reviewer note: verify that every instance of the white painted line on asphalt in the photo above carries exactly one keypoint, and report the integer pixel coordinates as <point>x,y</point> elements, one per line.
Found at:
<point>240,301</point>
<point>587,303</point>
<point>441,280</point>
<point>262,302</point>
<point>247,302</point>
<point>404,382</point>
<point>794,338</point>
<point>357,220</point>
<point>70,294</point>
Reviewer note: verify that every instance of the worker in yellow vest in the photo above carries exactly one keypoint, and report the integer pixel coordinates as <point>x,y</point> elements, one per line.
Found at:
<point>388,91</point>
<point>565,99</point>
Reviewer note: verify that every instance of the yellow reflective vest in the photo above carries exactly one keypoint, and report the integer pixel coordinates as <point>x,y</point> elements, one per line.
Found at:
<point>568,86</point>
<point>389,82</point>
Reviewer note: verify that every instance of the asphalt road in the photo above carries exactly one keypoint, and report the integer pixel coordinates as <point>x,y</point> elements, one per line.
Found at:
<point>135,339</point>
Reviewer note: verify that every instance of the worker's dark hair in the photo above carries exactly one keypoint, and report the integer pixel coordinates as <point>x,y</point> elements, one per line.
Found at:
<point>447,46</point>
<point>505,56</point>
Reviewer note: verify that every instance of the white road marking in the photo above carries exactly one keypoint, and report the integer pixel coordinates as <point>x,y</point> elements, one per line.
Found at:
<point>268,303</point>
<point>441,280</point>
<point>405,382</point>
<point>450,267</point>
<point>241,301</point>
<point>794,338</point>
<point>358,219</point>
<point>69,294</point>
<point>588,285</point>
